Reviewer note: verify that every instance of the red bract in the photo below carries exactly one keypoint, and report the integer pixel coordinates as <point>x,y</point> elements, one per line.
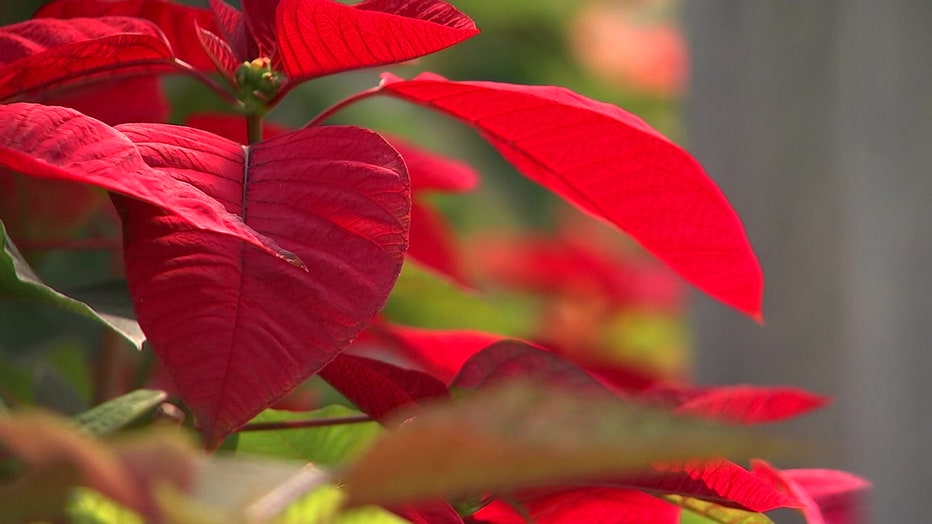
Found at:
<point>612,165</point>
<point>176,21</point>
<point>39,54</point>
<point>829,496</point>
<point>602,505</point>
<point>60,143</point>
<point>236,330</point>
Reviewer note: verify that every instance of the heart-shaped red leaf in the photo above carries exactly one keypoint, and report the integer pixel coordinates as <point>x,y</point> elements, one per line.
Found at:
<point>378,388</point>
<point>176,21</point>
<point>41,53</point>
<point>235,330</point>
<point>612,165</point>
<point>60,143</point>
<point>320,37</point>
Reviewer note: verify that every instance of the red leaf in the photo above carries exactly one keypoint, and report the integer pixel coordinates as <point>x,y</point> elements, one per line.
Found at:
<point>320,37</point>
<point>260,18</point>
<point>603,505</point>
<point>751,404</point>
<point>612,165</point>
<point>432,244</point>
<point>232,127</point>
<point>432,172</point>
<point>436,513</point>
<point>235,330</point>
<point>509,359</point>
<point>718,481</point>
<point>176,21</point>
<point>38,54</point>
<point>830,496</point>
<point>60,143</point>
<point>378,388</point>
<point>439,352</point>
<point>235,30</point>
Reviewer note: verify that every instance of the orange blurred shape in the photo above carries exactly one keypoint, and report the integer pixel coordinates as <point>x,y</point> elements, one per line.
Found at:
<point>629,44</point>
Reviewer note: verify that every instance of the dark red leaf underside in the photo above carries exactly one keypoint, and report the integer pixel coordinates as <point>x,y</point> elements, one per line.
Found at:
<point>320,37</point>
<point>512,360</point>
<point>378,388</point>
<point>39,54</point>
<point>718,481</point>
<point>176,21</point>
<point>235,329</point>
<point>260,17</point>
<point>612,165</point>
<point>60,143</point>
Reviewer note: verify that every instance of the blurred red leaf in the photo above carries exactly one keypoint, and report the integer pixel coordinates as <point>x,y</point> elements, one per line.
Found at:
<point>236,330</point>
<point>602,505</point>
<point>718,481</point>
<point>176,21</point>
<point>751,404</point>
<point>320,37</point>
<point>829,496</point>
<point>378,388</point>
<point>41,53</point>
<point>436,513</point>
<point>433,246</point>
<point>440,353</point>
<point>432,172</point>
<point>612,165</point>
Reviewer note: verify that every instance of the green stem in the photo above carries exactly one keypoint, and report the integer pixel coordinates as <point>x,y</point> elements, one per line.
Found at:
<point>300,424</point>
<point>253,128</point>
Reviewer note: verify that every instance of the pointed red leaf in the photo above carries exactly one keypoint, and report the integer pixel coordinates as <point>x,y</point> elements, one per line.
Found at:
<point>219,52</point>
<point>260,18</point>
<point>439,352</point>
<point>432,172</point>
<point>378,388</point>
<point>751,404</point>
<point>38,54</point>
<point>176,21</point>
<point>612,165</point>
<point>829,496</point>
<point>432,244</point>
<point>320,37</point>
<point>718,481</point>
<point>235,30</point>
<point>60,143</point>
<point>236,331</point>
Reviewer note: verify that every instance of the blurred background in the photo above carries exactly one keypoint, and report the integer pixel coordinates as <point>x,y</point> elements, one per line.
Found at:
<point>815,118</point>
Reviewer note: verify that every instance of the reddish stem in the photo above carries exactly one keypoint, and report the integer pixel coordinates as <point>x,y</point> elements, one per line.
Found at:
<point>330,111</point>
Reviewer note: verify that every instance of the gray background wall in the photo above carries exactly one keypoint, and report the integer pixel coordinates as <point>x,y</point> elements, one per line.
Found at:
<point>815,117</point>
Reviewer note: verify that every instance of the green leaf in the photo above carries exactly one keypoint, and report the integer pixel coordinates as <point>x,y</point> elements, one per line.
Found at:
<point>119,412</point>
<point>87,506</point>
<point>522,435</point>
<point>697,511</point>
<point>324,446</point>
<point>19,281</point>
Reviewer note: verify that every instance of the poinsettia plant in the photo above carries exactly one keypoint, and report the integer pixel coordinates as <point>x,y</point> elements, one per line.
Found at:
<point>256,257</point>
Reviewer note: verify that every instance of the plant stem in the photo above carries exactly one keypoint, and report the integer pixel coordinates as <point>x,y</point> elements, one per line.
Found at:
<point>253,128</point>
<point>330,111</point>
<point>299,424</point>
